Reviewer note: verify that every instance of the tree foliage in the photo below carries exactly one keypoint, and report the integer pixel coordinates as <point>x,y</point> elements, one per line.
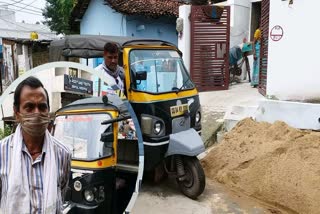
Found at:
<point>57,14</point>
<point>5,132</point>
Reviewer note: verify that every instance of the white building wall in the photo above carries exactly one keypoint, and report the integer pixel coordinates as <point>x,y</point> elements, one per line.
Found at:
<point>184,43</point>
<point>239,20</point>
<point>240,13</point>
<point>7,107</point>
<point>293,67</point>
<point>47,77</point>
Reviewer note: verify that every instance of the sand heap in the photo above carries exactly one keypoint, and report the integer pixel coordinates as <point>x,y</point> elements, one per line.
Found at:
<point>272,162</point>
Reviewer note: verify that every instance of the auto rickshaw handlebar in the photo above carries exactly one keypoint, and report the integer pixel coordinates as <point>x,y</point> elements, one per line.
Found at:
<point>115,120</point>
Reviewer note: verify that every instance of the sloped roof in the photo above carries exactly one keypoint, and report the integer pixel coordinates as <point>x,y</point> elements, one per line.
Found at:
<point>150,8</point>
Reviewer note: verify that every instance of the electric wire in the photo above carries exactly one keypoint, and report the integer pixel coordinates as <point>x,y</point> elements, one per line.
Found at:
<point>8,4</point>
<point>25,9</point>
<point>21,2</point>
<point>22,9</point>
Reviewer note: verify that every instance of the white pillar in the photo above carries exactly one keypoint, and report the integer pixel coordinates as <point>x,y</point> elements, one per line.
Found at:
<point>184,42</point>
<point>239,20</point>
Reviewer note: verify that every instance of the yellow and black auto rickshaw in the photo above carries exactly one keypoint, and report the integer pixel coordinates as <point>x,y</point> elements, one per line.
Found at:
<point>102,178</point>
<point>164,98</point>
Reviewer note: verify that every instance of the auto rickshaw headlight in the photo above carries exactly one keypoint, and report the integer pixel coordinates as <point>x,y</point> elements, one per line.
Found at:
<point>157,127</point>
<point>198,117</point>
<point>77,186</point>
<point>152,126</point>
<point>89,195</point>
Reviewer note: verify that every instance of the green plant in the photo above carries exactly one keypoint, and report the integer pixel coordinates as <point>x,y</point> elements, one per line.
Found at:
<point>6,131</point>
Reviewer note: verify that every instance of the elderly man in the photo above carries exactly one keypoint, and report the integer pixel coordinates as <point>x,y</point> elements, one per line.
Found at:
<point>34,166</point>
<point>110,68</point>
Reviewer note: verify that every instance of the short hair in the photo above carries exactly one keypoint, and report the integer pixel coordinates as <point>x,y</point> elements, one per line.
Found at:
<point>111,48</point>
<point>32,82</point>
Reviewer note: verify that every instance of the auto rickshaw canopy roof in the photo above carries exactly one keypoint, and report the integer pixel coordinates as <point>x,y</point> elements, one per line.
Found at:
<point>91,46</point>
<point>113,103</point>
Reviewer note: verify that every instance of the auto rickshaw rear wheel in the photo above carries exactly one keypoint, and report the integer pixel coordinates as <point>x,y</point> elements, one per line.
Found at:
<point>193,183</point>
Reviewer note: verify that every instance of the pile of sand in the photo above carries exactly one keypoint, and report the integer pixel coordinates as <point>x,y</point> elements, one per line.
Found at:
<point>272,162</point>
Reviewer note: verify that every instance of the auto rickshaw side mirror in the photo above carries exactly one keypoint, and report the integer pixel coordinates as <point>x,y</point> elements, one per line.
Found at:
<point>141,75</point>
<point>107,137</point>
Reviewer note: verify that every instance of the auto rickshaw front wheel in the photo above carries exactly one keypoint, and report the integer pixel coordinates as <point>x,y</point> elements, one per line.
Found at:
<point>192,184</point>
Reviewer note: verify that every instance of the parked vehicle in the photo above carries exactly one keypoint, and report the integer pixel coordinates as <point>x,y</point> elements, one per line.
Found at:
<point>101,180</point>
<point>163,97</point>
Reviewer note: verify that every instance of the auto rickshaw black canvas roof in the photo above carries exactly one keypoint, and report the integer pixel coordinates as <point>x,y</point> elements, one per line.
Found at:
<point>91,46</point>
<point>114,104</point>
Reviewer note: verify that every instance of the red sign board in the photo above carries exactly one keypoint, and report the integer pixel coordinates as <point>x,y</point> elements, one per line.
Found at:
<point>276,33</point>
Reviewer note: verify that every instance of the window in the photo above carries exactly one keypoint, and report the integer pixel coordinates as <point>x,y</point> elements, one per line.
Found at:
<point>164,70</point>
<point>84,142</point>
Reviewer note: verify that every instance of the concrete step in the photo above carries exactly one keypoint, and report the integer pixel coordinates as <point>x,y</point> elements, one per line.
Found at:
<point>237,113</point>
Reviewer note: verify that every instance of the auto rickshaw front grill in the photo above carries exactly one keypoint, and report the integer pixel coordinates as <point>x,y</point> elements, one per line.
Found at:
<point>180,124</point>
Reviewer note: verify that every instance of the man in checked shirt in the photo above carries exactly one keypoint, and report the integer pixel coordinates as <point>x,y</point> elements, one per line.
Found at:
<point>34,166</point>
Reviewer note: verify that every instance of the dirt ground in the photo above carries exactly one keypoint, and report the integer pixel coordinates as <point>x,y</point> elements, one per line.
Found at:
<point>274,163</point>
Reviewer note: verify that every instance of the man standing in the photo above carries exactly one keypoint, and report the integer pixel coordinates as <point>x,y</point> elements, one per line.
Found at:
<point>110,68</point>
<point>34,166</point>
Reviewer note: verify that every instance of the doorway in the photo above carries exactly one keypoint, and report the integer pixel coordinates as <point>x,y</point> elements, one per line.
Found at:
<point>255,17</point>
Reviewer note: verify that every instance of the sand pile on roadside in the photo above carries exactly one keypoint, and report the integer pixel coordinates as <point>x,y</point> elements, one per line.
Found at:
<point>272,162</point>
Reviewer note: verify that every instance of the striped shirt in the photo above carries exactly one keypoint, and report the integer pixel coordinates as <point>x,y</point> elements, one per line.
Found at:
<point>35,169</point>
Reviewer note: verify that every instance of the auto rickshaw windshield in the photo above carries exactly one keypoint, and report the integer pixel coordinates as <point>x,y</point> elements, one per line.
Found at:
<point>164,70</point>
<point>82,134</point>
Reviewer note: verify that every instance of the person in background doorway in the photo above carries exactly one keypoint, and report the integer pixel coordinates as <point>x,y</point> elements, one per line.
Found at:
<point>256,57</point>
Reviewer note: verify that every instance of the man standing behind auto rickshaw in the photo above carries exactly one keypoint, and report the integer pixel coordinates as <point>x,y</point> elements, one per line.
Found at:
<point>113,72</point>
<point>34,166</point>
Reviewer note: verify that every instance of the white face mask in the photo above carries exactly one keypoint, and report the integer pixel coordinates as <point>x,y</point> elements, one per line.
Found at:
<point>34,124</point>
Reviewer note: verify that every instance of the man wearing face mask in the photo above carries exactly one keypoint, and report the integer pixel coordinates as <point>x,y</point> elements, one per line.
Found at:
<point>34,166</point>
<point>111,70</point>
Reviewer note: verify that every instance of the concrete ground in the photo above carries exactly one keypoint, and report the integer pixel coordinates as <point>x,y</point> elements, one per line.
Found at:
<point>216,103</point>
<point>216,199</point>
<point>238,94</point>
<point>166,197</point>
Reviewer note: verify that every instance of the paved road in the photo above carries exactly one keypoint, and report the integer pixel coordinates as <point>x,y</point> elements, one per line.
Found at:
<point>166,198</point>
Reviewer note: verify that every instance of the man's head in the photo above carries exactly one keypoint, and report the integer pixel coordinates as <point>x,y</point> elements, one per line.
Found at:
<point>31,106</point>
<point>111,55</point>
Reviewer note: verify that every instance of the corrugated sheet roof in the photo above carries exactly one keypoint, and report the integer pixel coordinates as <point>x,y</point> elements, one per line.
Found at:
<point>17,30</point>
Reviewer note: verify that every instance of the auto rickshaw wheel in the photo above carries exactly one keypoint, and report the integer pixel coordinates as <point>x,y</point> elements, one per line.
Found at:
<point>193,183</point>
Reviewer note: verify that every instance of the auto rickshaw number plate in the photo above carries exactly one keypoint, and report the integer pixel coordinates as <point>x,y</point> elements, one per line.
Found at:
<point>179,110</point>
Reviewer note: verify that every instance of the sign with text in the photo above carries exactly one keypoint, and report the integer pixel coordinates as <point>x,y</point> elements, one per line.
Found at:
<point>78,85</point>
<point>276,33</point>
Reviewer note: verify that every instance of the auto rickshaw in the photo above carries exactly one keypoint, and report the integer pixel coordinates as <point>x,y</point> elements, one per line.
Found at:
<point>102,178</point>
<point>164,98</point>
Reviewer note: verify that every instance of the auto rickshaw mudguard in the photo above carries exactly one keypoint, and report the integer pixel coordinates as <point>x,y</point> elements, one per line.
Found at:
<point>187,143</point>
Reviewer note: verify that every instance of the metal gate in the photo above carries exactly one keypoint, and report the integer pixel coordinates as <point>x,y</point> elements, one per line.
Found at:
<point>265,8</point>
<point>210,35</point>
